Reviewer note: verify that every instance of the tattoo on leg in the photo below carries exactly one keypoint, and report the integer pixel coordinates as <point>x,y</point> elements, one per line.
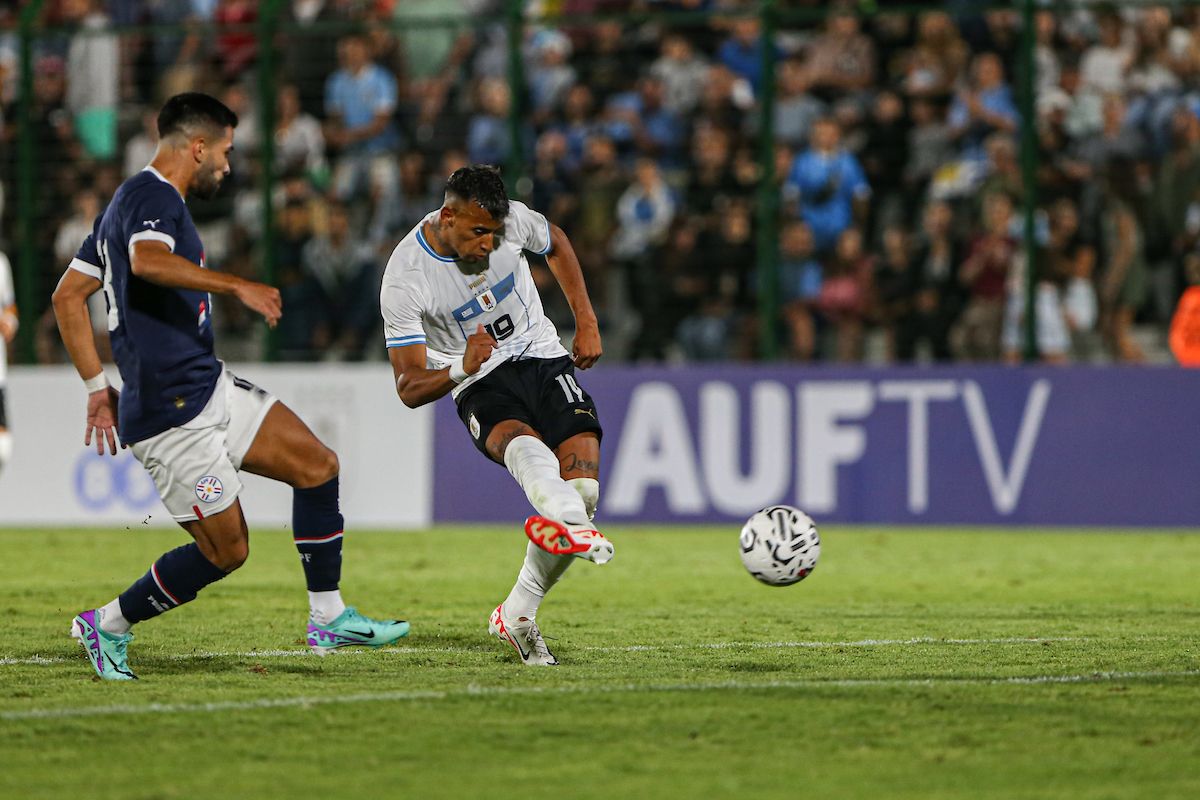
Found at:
<point>497,450</point>
<point>573,463</point>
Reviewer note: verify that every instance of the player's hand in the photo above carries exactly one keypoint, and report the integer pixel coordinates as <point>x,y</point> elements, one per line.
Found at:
<point>262,299</point>
<point>8,328</point>
<point>102,420</point>
<point>586,350</point>
<point>480,345</point>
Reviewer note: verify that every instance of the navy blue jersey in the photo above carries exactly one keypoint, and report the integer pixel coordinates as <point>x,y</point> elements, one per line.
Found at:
<point>162,338</point>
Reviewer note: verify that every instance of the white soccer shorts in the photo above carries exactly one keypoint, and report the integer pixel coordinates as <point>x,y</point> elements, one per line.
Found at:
<point>195,466</point>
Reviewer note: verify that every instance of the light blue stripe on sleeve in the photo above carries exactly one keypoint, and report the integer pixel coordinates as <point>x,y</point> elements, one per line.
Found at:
<point>549,241</point>
<point>404,341</point>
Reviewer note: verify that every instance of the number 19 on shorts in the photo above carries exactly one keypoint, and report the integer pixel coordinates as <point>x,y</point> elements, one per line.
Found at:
<point>570,388</point>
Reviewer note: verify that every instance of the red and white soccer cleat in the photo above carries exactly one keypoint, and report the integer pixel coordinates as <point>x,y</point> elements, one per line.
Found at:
<point>560,539</point>
<point>524,636</point>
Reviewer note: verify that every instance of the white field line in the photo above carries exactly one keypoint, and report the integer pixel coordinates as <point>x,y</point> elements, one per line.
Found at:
<point>637,648</point>
<point>556,691</point>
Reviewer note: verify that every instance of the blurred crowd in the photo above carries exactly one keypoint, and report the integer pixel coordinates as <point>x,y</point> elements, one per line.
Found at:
<point>897,168</point>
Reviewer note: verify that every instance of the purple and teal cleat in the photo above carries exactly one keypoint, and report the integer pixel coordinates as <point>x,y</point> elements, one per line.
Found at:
<point>105,650</point>
<point>352,628</point>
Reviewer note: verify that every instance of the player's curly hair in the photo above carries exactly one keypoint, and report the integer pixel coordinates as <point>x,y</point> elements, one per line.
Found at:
<point>482,184</point>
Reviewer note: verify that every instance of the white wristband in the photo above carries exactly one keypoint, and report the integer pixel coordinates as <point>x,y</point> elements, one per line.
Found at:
<point>96,384</point>
<point>457,373</point>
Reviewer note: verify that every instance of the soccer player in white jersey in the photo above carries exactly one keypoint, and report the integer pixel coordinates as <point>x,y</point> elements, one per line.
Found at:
<point>462,317</point>
<point>8,330</point>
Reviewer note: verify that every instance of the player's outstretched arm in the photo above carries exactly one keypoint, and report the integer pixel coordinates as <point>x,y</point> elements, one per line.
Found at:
<point>417,384</point>
<point>153,261</point>
<point>75,327</point>
<point>586,349</point>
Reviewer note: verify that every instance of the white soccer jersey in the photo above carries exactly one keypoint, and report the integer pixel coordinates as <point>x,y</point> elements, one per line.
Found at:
<point>426,299</point>
<point>7,299</point>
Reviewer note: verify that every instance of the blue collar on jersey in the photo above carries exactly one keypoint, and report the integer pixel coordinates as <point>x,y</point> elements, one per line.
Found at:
<point>430,250</point>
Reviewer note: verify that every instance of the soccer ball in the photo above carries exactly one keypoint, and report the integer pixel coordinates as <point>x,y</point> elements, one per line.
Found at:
<point>780,545</point>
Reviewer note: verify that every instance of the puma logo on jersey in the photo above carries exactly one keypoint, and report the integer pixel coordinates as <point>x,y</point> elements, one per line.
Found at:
<point>152,223</point>
<point>587,411</point>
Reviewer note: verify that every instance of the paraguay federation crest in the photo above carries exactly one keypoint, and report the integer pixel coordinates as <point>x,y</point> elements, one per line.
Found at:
<point>209,489</point>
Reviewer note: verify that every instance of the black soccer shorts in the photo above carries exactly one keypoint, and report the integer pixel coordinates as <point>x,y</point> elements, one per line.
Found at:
<point>3,412</point>
<point>541,392</point>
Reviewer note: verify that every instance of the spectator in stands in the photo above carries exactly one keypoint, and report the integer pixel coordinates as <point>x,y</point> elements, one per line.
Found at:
<point>1174,194</point>
<point>885,157</point>
<point>741,52</point>
<point>1123,265</point>
<point>711,183</point>
<point>139,150</point>
<point>299,291</point>
<point>796,110</point>
<point>985,275</point>
<point>644,213</point>
<point>896,286</point>
<point>237,44</point>
<point>940,56</point>
<point>550,74</point>
<point>93,91</point>
<point>1070,261</point>
<point>983,108</point>
<point>841,61</point>
<point>828,184</point>
<point>489,138</point>
<point>1106,63</point>
<point>845,295</point>
<point>77,227</point>
<point>640,122</point>
<point>346,275</point>
<point>930,146</point>
<point>800,277</point>
<point>299,141</point>
<point>682,73</point>
<point>360,101</point>
<point>576,123</point>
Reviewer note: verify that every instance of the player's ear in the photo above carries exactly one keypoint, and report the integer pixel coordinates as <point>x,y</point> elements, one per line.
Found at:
<point>199,148</point>
<point>446,215</point>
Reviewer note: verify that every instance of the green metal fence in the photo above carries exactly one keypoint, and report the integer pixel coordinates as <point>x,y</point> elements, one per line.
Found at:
<point>273,31</point>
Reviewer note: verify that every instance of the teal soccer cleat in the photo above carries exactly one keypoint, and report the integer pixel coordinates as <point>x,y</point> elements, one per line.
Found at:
<point>106,651</point>
<point>352,628</point>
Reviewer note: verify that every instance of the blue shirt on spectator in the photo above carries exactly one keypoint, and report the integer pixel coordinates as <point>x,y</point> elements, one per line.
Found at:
<point>662,126</point>
<point>358,98</point>
<point>827,186</point>
<point>745,61</point>
<point>999,101</point>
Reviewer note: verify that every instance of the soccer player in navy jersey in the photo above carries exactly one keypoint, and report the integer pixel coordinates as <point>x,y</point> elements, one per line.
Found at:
<point>190,422</point>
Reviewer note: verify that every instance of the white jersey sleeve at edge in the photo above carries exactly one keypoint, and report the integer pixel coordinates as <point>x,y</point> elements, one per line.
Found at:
<point>402,302</point>
<point>527,228</point>
<point>6,283</point>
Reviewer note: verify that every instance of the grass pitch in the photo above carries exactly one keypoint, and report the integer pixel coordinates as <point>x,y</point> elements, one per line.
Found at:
<point>973,664</point>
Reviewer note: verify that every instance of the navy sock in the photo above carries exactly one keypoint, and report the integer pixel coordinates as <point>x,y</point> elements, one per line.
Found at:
<point>173,580</point>
<point>317,529</point>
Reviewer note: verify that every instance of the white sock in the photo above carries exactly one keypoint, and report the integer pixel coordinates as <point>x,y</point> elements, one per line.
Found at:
<point>6,447</point>
<point>112,620</point>
<point>540,571</point>
<point>325,607</point>
<point>536,468</point>
<point>589,490</point>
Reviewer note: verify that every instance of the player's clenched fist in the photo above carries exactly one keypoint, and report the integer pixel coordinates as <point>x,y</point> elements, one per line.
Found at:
<point>480,345</point>
<point>263,299</point>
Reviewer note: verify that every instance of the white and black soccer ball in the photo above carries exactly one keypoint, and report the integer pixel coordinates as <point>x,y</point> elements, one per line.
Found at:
<point>780,545</point>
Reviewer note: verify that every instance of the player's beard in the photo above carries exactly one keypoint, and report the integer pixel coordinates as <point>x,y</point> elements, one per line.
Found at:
<point>473,267</point>
<point>206,186</point>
